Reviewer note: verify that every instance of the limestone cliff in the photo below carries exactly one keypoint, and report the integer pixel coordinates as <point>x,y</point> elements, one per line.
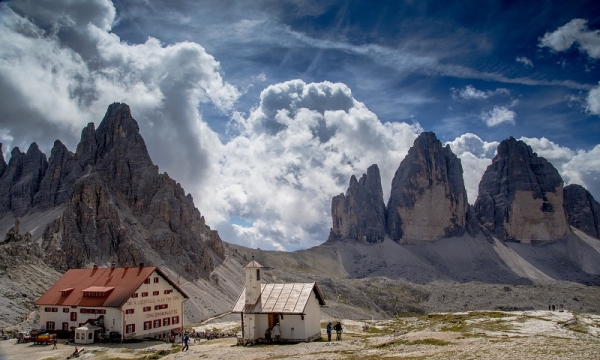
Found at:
<point>117,207</point>
<point>583,211</point>
<point>521,196</point>
<point>428,199</point>
<point>360,214</point>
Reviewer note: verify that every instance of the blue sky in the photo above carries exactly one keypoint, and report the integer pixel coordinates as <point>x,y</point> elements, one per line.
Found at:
<point>264,109</point>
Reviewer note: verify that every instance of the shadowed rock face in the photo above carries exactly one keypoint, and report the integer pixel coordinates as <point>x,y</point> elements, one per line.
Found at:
<point>3,164</point>
<point>360,214</point>
<point>521,196</point>
<point>583,211</point>
<point>118,208</point>
<point>428,200</point>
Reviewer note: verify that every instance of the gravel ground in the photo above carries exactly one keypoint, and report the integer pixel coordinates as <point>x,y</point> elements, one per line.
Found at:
<point>467,335</point>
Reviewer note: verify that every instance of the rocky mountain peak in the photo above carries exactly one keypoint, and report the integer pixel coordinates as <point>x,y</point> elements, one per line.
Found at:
<point>3,164</point>
<point>583,211</point>
<point>428,199</point>
<point>521,196</point>
<point>359,215</point>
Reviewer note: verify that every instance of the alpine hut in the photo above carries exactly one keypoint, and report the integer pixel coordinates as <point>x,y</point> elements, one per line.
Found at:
<point>294,306</point>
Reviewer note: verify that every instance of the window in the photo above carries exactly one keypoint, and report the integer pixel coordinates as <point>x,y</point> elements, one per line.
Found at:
<point>76,335</point>
<point>257,274</point>
<point>73,316</point>
<point>130,328</point>
<point>90,336</point>
<point>175,320</point>
<point>144,294</point>
<point>156,323</point>
<point>54,309</point>
<point>65,310</point>
<point>49,325</point>
<point>156,293</point>
<point>134,295</point>
<point>65,326</point>
<point>166,321</point>
<point>162,306</point>
<point>168,291</point>
<point>147,281</point>
<point>147,308</point>
<point>147,325</point>
<point>47,309</point>
<point>156,280</point>
<point>129,311</point>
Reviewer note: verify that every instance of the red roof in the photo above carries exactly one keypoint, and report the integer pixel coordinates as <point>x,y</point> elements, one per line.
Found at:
<point>125,282</point>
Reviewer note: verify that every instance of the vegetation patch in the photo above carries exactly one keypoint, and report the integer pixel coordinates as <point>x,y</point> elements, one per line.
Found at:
<point>427,341</point>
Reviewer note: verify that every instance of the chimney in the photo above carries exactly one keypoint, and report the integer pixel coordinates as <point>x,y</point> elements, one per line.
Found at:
<point>95,266</point>
<point>141,265</point>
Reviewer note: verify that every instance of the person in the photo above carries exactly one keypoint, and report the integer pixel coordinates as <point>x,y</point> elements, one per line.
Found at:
<point>329,331</point>
<point>338,331</point>
<point>268,335</point>
<point>277,332</point>
<point>186,343</point>
<point>54,341</point>
<point>76,351</point>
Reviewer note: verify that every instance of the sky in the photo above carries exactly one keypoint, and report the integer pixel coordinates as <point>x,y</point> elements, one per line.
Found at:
<point>263,110</point>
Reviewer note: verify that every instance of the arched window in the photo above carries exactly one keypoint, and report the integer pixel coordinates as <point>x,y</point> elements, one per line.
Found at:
<point>257,274</point>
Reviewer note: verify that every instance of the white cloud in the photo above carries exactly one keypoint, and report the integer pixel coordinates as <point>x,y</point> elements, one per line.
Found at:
<point>292,154</point>
<point>57,85</point>
<point>593,101</point>
<point>524,60</point>
<point>469,92</point>
<point>475,155</point>
<point>574,32</point>
<point>499,115</point>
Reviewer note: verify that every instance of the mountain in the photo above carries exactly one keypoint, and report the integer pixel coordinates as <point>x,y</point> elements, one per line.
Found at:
<point>583,211</point>
<point>428,200</point>
<point>109,202</point>
<point>360,214</point>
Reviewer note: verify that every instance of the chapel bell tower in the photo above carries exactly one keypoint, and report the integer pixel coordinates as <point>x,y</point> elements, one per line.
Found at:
<point>253,283</point>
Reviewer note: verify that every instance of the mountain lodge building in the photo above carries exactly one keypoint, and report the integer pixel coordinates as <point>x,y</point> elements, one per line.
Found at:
<point>127,303</point>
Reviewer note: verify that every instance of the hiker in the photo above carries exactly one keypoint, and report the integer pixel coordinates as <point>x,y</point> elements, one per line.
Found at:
<point>338,331</point>
<point>329,331</point>
<point>186,343</point>
<point>54,341</point>
<point>268,335</point>
<point>277,332</point>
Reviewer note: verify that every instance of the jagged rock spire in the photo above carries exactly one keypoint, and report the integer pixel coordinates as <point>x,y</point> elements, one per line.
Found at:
<point>583,211</point>
<point>360,214</point>
<point>428,199</point>
<point>521,196</point>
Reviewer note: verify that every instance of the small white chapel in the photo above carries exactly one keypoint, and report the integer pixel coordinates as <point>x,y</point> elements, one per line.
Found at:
<point>295,306</point>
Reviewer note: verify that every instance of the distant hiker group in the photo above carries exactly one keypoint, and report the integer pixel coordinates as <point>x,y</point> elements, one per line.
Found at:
<point>338,331</point>
<point>275,331</point>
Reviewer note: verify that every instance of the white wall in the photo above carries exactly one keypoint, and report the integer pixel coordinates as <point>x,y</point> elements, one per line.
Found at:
<point>116,319</point>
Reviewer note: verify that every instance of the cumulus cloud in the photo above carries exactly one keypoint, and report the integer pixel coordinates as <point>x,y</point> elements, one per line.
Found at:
<point>469,92</point>
<point>593,101</point>
<point>499,115</point>
<point>524,60</point>
<point>574,32</point>
<point>475,155</point>
<point>61,67</point>
<point>292,154</point>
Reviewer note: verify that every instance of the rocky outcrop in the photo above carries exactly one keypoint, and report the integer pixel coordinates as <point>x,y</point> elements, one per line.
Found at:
<point>62,173</point>
<point>428,198</point>
<point>21,180</point>
<point>360,214</point>
<point>117,207</point>
<point>583,211</point>
<point>521,196</point>
<point>121,209</point>
<point>3,164</point>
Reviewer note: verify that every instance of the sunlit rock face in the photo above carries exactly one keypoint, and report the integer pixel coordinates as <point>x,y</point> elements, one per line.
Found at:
<point>359,215</point>
<point>583,211</point>
<point>428,199</point>
<point>521,196</point>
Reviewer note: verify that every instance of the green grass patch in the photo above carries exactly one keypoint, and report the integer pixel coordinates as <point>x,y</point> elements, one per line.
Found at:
<point>427,341</point>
